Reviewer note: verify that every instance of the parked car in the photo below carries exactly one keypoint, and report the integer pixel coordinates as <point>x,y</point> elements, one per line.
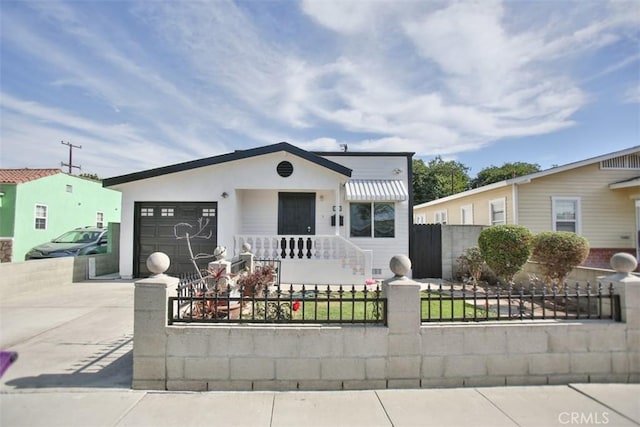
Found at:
<point>81,241</point>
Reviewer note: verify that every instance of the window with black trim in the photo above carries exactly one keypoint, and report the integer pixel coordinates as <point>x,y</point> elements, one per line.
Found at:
<point>99,219</point>
<point>167,212</point>
<point>146,211</point>
<point>208,212</point>
<point>375,219</point>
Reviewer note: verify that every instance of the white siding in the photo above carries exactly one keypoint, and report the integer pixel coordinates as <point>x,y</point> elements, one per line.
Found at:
<point>380,167</point>
<point>252,186</point>
<point>206,184</point>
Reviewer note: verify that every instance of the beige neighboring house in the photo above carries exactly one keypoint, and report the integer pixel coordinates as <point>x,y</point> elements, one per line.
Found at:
<point>598,198</point>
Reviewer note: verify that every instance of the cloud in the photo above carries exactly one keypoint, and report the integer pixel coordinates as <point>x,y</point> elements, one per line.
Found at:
<point>346,17</point>
<point>490,79</point>
<point>632,95</point>
<point>163,82</point>
<point>31,127</point>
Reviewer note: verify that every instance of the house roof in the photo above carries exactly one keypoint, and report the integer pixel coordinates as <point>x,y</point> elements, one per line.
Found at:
<point>524,179</point>
<point>236,155</point>
<point>19,176</point>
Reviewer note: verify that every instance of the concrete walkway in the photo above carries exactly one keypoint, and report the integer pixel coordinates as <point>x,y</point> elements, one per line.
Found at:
<point>75,361</point>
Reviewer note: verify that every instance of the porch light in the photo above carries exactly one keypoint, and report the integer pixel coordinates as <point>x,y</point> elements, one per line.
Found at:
<point>224,194</point>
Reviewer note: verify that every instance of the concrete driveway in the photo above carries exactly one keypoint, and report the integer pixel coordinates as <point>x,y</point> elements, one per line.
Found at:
<point>77,335</point>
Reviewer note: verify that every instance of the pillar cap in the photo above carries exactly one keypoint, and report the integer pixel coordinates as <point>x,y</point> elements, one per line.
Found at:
<point>623,262</point>
<point>400,265</point>
<point>158,263</point>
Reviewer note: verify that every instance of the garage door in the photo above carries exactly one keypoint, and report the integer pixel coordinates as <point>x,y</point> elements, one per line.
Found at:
<point>162,227</point>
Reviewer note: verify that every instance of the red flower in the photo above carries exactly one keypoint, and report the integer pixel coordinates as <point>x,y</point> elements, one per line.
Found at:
<point>296,306</point>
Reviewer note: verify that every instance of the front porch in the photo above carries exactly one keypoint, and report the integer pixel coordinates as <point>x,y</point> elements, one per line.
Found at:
<point>318,259</point>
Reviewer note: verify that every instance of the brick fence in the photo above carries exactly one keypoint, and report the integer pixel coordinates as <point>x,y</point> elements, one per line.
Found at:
<point>404,354</point>
<point>600,257</point>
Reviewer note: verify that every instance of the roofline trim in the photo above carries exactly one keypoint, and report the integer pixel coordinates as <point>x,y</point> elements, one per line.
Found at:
<point>482,189</point>
<point>365,153</point>
<point>526,179</point>
<point>223,158</point>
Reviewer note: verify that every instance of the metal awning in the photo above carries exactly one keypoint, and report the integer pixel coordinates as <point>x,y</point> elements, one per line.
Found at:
<point>377,190</point>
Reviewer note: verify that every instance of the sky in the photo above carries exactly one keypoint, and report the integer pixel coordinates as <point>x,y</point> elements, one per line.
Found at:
<point>146,84</point>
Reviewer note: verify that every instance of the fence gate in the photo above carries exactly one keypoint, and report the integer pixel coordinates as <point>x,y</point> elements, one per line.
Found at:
<point>425,251</point>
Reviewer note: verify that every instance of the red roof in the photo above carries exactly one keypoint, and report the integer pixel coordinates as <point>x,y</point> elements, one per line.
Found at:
<point>18,176</point>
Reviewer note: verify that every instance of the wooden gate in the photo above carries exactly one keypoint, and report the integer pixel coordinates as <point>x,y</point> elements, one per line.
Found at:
<point>425,251</point>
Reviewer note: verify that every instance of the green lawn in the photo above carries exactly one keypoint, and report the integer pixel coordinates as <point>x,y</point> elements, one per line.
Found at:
<point>446,309</point>
<point>334,310</point>
<point>354,308</point>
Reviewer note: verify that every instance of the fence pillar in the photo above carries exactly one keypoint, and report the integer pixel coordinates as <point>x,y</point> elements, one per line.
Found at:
<point>248,259</point>
<point>403,320</point>
<point>149,323</point>
<point>628,287</point>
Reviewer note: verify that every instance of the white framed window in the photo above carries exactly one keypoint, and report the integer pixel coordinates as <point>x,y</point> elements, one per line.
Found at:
<point>466,215</point>
<point>167,212</point>
<point>440,217</point>
<point>418,219</point>
<point>498,211</point>
<point>41,215</point>
<point>565,214</point>
<point>146,211</point>
<point>99,219</point>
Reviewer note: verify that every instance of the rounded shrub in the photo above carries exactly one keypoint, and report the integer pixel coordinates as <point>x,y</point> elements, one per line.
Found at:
<point>471,264</point>
<point>505,249</point>
<point>558,252</point>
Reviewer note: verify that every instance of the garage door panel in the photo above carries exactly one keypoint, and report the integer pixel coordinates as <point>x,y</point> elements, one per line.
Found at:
<point>148,231</point>
<point>161,233</point>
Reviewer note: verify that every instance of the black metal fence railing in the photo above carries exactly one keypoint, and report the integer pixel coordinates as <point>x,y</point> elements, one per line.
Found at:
<point>213,297</point>
<point>470,303</point>
<point>291,304</point>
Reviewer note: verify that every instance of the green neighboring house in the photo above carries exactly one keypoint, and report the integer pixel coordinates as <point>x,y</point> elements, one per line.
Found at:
<point>37,205</point>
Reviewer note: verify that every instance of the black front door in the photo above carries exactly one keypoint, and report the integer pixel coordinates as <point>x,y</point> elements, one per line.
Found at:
<point>296,213</point>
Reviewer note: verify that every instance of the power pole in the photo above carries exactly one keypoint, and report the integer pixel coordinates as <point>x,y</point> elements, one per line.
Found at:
<point>70,164</point>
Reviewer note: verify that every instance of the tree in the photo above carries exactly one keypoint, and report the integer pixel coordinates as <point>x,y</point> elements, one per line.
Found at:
<point>505,249</point>
<point>91,176</point>
<point>423,182</point>
<point>438,179</point>
<point>508,170</point>
<point>558,252</point>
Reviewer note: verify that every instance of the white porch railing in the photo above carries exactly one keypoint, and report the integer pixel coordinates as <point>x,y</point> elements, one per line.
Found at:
<point>326,259</point>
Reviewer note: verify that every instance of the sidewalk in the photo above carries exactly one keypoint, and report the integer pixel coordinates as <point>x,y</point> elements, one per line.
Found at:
<point>74,369</point>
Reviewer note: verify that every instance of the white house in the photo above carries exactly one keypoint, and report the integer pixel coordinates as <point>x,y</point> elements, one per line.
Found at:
<point>332,217</point>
